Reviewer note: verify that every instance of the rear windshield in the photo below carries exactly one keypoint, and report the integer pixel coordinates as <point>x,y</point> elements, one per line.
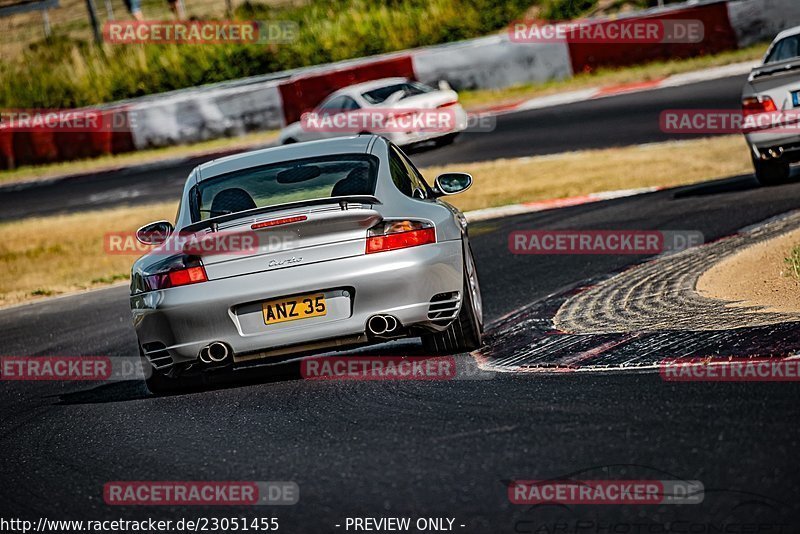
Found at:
<point>288,181</point>
<point>376,96</point>
<point>788,48</point>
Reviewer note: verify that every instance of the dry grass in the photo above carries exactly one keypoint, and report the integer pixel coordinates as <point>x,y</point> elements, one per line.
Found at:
<point>792,261</point>
<point>53,255</point>
<point>501,182</point>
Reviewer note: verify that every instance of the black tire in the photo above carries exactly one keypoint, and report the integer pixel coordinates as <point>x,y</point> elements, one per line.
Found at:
<point>772,172</point>
<point>445,139</point>
<point>290,141</point>
<point>465,334</point>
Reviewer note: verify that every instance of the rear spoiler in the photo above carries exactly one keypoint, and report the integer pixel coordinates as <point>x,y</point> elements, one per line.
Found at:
<point>769,70</point>
<point>343,202</point>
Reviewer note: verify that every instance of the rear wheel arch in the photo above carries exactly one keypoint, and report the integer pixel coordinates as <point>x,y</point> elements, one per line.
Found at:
<point>465,333</point>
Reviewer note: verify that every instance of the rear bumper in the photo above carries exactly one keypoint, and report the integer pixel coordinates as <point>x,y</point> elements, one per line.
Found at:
<point>183,320</point>
<point>787,144</point>
<point>408,138</point>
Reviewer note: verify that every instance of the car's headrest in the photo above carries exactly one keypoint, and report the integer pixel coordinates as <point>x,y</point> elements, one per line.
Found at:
<point>355,183</point>
<point>231,200</point>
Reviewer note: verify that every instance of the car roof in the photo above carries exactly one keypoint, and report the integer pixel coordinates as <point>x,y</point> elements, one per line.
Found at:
<point>367,86</point>
<point>325,147</point>
<point>786,33</point>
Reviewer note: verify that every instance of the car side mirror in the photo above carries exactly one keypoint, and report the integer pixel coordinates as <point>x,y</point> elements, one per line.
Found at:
<point>154,233</point>
<point>444,86</point>
<point>451,183</point>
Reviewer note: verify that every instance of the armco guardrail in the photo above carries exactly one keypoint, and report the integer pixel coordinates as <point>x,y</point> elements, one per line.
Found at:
<point>267,102</point>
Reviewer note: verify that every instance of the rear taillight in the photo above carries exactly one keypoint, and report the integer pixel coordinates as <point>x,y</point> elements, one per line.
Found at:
<point>192,275</point>
<point>178,271</point>
<point>753,105</point>
<point>393,235</point>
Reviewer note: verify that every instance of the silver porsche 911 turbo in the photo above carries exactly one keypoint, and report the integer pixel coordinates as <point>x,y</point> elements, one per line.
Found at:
<point>300,249</point>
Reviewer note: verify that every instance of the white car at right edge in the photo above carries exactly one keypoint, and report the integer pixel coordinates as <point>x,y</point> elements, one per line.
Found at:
<point>773,89</point>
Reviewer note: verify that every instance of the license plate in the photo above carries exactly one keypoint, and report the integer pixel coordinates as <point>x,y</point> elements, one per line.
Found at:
<point>796,98</point>
<point>294,308</point>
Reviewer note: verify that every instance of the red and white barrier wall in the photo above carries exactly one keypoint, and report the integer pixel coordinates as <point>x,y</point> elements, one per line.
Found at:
<point>42,145</point>
<point>718,35</point>
<point>236,107</point>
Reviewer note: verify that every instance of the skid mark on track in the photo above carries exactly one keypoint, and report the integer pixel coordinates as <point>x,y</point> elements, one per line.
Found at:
<point>660,295</point>
<point>522,343</point>
<point>637,318</point>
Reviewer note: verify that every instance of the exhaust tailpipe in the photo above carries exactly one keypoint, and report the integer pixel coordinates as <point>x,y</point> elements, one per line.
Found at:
<point>214,353</point>
<point>217,351</point>
<point>382,325</point>
<point>391,324</point>
<point>377,325</point>
<point>776,152</point>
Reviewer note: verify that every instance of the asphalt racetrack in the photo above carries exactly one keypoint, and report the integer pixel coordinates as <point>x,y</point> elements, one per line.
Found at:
<point>433,449</point>
<point>443,449</point>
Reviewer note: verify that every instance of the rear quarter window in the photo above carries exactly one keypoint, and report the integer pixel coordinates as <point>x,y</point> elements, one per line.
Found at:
<point>785,49</point>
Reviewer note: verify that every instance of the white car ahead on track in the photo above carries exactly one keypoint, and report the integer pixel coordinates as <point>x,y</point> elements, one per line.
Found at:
<point>773,92</point>
<point>392,107</point>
